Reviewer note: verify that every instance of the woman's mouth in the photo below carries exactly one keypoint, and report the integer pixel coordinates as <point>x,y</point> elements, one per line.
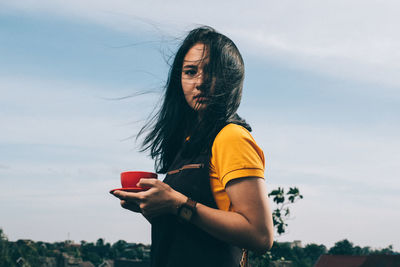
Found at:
<point>201,98</point>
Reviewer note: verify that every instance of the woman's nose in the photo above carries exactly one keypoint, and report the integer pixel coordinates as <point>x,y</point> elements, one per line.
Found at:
<point>200,82</point>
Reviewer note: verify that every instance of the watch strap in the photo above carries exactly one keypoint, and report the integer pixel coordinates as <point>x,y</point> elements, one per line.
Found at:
<point>190,204</point>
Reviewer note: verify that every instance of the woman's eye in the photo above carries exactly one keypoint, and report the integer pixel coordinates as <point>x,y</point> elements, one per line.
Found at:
<point>190,72</point>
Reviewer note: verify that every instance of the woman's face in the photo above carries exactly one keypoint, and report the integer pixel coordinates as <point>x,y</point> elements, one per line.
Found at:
<point>192,76</point>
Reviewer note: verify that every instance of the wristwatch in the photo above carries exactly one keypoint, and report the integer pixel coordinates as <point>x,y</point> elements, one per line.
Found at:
<point>187,210</point>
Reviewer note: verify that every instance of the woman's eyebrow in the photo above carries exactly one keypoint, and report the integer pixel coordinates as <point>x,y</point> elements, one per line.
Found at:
<point>189,66</point>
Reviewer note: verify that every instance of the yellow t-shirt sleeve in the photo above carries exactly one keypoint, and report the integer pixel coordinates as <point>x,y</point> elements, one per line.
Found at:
<point>235,154</point>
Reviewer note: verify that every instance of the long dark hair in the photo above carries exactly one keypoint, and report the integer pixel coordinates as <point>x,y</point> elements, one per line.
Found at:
<point>176,120</point>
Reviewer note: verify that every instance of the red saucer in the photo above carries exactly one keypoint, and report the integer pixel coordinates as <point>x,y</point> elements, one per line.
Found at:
<point>130,189</point>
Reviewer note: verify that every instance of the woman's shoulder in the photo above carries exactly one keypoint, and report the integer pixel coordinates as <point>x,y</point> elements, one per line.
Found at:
<point>235,154</point>
<point>232,132</point>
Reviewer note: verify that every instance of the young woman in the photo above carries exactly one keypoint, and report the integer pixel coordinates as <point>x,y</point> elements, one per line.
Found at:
<point>213,201</point>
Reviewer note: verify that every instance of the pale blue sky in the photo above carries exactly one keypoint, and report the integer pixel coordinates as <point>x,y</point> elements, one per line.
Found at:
<point>321,92</point>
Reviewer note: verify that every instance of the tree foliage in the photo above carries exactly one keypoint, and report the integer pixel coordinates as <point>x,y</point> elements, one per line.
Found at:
<point>5,259</point>
<point>345,247</point>
<point>35,253</point>
<point>96,252</point>
<point>281,214</point>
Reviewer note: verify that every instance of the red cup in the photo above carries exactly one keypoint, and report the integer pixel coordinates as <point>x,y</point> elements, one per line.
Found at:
<point>131,179</point>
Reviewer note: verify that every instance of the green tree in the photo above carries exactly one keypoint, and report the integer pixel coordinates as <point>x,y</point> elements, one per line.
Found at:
<point>89,253</point>
<point>27,249</point>
<point>281,213</point>
<point>117,249</point>
<point>343,247</point>
<point>5,259</point>
<point>282,251</point>
<point>258,260</point>
<point>102,248</point>
<point>388,251</point>
<point>313,252</point>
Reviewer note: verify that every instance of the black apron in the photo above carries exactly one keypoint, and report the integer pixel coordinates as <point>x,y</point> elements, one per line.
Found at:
<point>176,243</point>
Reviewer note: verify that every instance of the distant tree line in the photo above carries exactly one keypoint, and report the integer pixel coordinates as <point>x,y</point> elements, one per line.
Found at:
<point>308,255</point>
<point>33,253</point>
<point>96,252</point>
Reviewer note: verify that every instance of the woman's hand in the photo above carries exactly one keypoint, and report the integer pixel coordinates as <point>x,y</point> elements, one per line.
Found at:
<point>159,199</point>
<point>248,226</point>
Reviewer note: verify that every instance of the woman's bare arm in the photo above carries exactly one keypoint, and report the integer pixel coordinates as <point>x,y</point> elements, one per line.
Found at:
<point>248,226</point>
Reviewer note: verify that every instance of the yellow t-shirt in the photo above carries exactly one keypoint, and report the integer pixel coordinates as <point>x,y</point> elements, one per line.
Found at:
<point>235,154</point>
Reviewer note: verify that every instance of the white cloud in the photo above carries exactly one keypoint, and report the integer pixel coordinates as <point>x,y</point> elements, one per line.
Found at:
<point>351,39</point>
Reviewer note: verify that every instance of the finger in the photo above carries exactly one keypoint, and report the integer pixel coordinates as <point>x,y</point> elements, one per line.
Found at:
<point>119,194</point>
<point>148,211</point>
<point>114,193</point>
<point>128,195</point>
<point>130,206</point>
<point>147,182</point>
<point>124,203</point>
<point>143,206</point>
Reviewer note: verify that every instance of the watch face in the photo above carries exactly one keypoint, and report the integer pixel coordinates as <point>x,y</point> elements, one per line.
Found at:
<point>186,213</point>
